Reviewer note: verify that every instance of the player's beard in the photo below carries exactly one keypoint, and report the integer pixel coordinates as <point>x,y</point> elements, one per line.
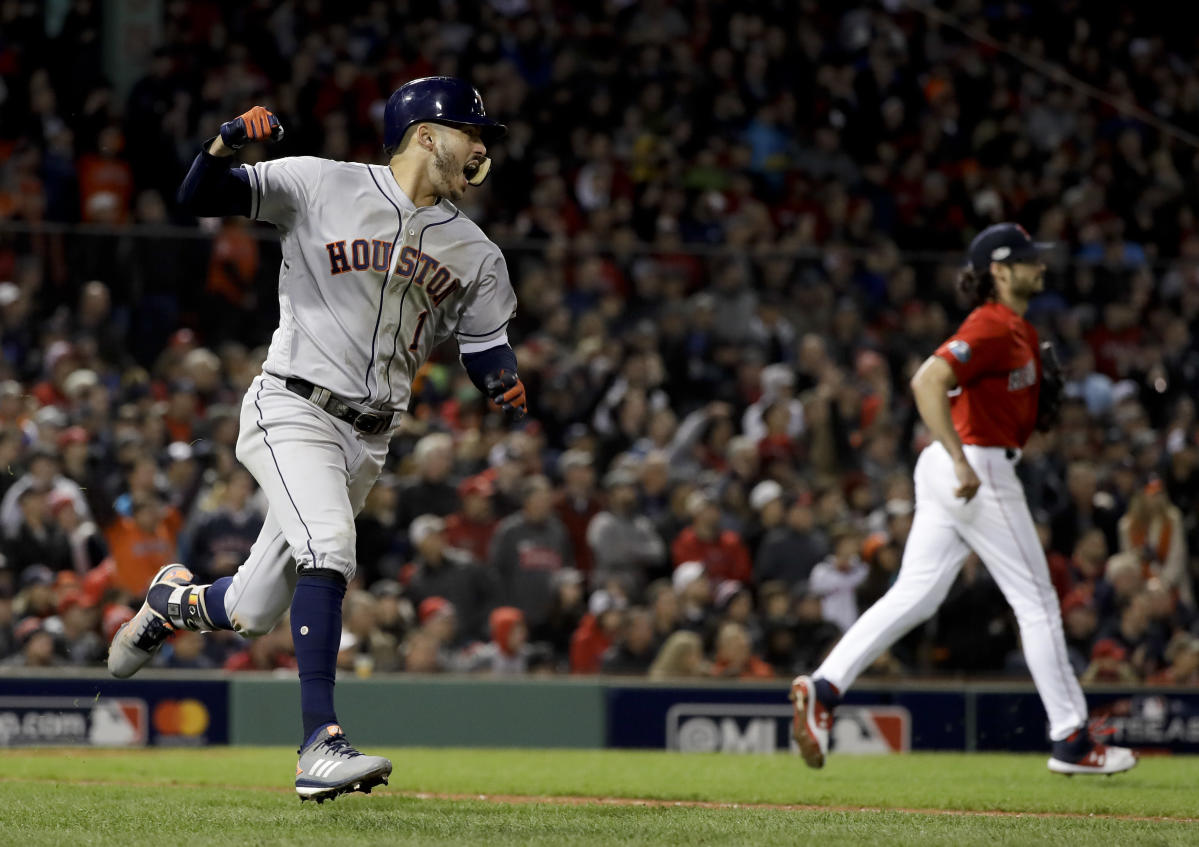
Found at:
<point>1028,283</point>
<point>448,173</point>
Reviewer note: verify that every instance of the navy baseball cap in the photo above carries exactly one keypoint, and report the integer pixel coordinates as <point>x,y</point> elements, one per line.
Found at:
<point>1005,242</point>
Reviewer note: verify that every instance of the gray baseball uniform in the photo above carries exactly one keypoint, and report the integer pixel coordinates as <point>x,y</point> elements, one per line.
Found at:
<point>368,285</point>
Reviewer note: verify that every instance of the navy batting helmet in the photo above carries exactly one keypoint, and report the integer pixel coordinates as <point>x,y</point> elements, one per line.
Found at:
<point>439,99</point>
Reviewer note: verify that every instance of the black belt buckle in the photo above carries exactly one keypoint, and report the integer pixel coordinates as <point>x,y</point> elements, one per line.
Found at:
<point>368,423</point>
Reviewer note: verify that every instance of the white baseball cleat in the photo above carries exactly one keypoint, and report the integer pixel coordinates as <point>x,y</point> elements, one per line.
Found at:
<point>810,723</point>
<point>141,637</point>
<point>1081,753</point>
<point>1100,760</point>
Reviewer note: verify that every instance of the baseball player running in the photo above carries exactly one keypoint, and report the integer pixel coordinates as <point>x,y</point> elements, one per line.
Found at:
<point>978,394</point>
<point>378,267</point>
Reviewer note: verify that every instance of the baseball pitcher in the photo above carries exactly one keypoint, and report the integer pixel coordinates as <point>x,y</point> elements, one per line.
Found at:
<point>981,395</point>
<point>378,266</point>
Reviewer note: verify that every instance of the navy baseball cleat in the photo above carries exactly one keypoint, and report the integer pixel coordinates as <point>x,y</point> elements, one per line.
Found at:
<point>330,766</point>
<point>137,641</point>
<point>1080,753</point>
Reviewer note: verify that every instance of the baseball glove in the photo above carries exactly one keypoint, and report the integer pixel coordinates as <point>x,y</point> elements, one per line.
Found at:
<point>1049,400</point>
<point>258,124</point>
<point>507,391</point>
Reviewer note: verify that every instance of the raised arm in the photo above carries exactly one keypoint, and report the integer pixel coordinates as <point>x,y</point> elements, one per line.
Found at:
<point>212,187</point>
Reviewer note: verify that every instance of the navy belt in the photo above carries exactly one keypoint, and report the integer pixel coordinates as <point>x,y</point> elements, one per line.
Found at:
<point>370,423</point>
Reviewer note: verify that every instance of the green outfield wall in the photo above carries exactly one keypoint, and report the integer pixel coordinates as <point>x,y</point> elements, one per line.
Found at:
<point>430,712</point>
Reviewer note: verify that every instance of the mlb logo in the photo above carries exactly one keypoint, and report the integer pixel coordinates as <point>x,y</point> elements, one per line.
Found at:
<point>118,722</point>
<point>871,729</point>
<point>959,349</point>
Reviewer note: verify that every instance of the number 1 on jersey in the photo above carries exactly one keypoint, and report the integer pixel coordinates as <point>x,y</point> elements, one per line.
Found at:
<point>420,326</point>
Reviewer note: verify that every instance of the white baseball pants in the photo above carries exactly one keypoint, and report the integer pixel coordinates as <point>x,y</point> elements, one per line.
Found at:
<point>998,526</point>
<point>316,471</point>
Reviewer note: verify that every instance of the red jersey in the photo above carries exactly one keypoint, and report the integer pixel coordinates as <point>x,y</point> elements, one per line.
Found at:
<point>996,358</point>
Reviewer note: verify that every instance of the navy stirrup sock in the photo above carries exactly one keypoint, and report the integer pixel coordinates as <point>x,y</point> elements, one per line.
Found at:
<point>316,633</point>
<point>197,607</point>
<point>827,693</point>
<point>214,600</point>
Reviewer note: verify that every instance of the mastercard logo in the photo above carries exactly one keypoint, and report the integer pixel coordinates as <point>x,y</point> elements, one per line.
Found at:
<point>180,717</point>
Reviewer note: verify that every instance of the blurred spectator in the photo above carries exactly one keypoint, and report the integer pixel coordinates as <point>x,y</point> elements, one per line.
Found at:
<point>1085,508</point>
<point>663,608</point>
<point>508,651</point>
<point>1080,623</point>
<point>681,657</point>
<point>769,512</point>
<point>35,645</point>
<point>1123,579</point>
<point>624,545</point>
<point>421,653</point>
<point>597,631</point>
<point>1153,527</point>
<point>439,570</point>
<point>143,543</point>
<point>694,592</point>
<point>38,540</point>
<point>566,612</point>
<point>578,505</point>
<point>790,551</point>
<point>76,629</point>
<point>439,620</point>
<point>44,472</point>
<point>373,649</point>
<point>528,548</point>
<point>1182,662</point>
<point>1109,663</point>
<point>836,579</point>
<point>86,543</point>
<point>395,612</point>
<point>635,649</point>
<point>734,657</point>
<point>974,627</point>
<point>429,491</point>
<point>378,543</point>
<point>471,527</point>
<point>220,540</point>
<point>814,634</point>
<point>266,652</point>
<point>185,650</point>
<point>721,551</point>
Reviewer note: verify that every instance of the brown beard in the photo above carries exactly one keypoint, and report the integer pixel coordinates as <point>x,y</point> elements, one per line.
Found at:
<point>447,173</point>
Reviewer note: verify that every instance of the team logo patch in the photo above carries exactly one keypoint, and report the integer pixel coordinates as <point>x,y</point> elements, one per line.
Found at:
<point>960,350</point>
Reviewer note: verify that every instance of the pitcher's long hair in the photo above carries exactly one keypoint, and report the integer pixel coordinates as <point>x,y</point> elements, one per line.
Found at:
<point>977,287</point>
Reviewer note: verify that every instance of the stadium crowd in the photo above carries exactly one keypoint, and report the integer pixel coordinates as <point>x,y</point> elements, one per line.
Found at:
<point>733,229</point>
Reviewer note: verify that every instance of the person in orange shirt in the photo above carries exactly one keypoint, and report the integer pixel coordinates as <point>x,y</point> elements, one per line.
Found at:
<point>144,542</point>
<point>105,181</point>
<point>734,660</point>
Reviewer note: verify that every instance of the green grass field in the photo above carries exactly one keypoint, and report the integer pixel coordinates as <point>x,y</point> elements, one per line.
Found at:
<point>243,796</point>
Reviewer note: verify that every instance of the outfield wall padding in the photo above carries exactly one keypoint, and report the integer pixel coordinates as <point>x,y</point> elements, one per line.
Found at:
<point>431,712</point>
<point>160,708</point>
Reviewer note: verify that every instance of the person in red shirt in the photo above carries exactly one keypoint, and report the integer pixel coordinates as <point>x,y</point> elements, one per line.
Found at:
<point>978,395</point>
<point>722,552</point>
<point>471,527</point>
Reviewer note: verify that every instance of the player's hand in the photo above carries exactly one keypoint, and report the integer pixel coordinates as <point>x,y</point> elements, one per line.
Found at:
<point>258,124</point>
<point>507,391</point>
<point>968,481</point>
